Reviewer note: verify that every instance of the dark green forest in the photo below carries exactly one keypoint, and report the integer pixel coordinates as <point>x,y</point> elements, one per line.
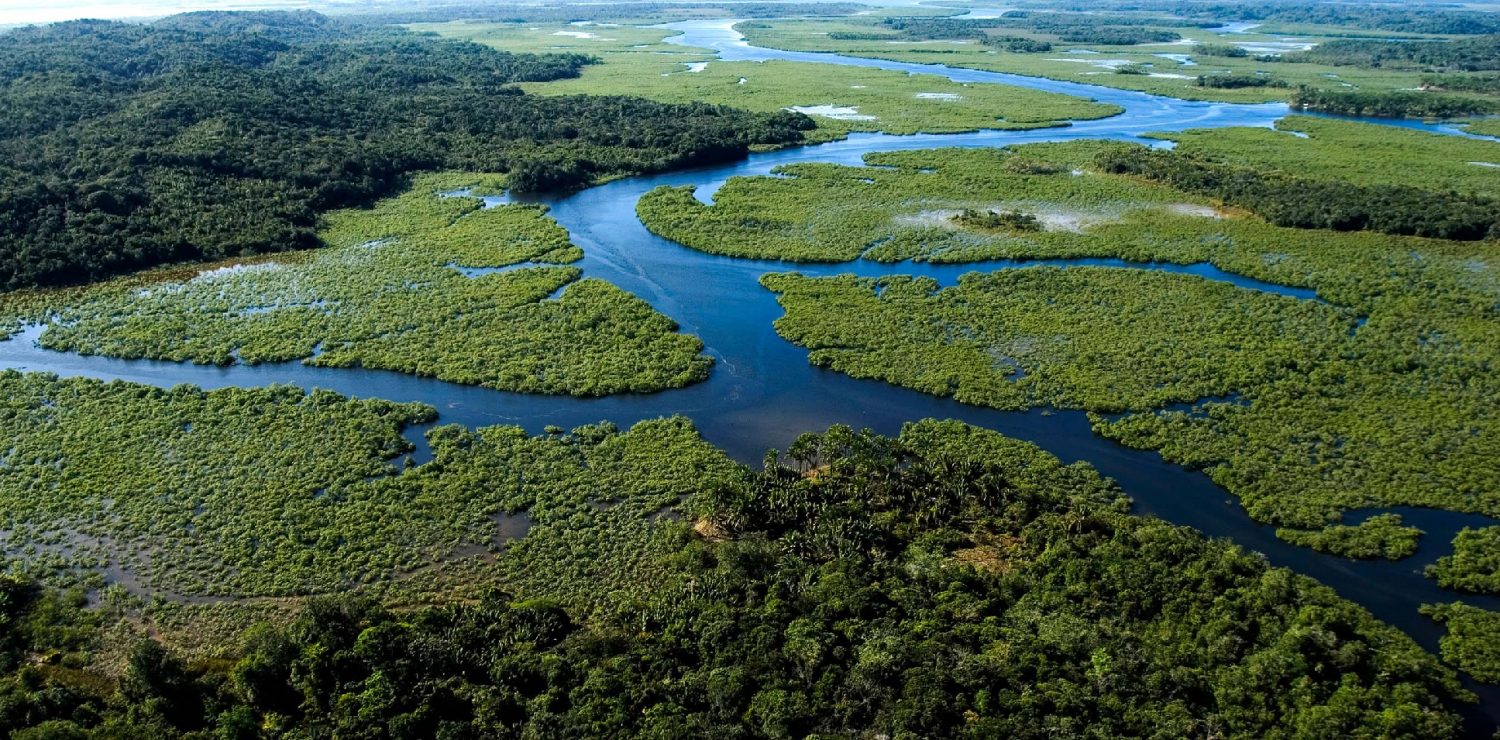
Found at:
<point>948,582</point>
<point>1392,103</point>
<point>213,135</point>
<point>1288,200</point>
<point>1481,53</point>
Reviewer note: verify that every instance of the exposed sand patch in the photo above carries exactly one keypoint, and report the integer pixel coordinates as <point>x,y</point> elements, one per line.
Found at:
<point>1193,209</point>
<point>938,96</point>
<point>836,112</point>
<point>1051,218</point>
<point>576,34</point>
<point>1110,64</point>
<point>233,270</point>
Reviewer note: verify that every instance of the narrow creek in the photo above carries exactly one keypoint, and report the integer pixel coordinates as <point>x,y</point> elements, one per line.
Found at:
<point>762,392</point>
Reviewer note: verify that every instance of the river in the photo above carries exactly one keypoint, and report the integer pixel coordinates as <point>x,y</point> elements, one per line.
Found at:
<point>762,391</point>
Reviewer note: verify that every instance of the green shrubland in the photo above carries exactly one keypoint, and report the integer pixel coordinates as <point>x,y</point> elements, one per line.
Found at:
<point>1475,563</point>
<point>1380,536</point>
<point>1382,398</point>
<point>392,294</point>
<point>948,582</point>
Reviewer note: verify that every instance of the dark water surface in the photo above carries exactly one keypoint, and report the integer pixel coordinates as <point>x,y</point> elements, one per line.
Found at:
<point>762,392</point>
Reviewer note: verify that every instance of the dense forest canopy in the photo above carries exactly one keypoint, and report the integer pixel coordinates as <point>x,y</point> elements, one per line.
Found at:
<point>219,134</point>
<point>949,582</point>
<point>572,12</point>
<point>1477,54</point>
<point>1401,18</point>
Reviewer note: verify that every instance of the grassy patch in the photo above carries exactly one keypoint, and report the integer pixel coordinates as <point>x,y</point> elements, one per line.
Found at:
<point>269,492</point>
<point>851,99</point>
<point>1090,63</point>
<point>413,285</point>
<point>1368,154</point>
<point>1331,414</point>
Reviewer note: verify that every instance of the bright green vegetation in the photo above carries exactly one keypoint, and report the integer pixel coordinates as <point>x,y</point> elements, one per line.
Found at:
<point>1103,339</point>
<point>1380,536</point>
<point>850,99</point>
<point>869,37</point>
<point>1327,416</point>
<point>1393,104</point>
<point>1363,153</point>
<point>1285,199</point>
<point>949,582</point>
<point>902,208</point>
<point>392,293</point>
<point>1475,563</point>
<point>1484,127</point>
<point>1473,639</point>
<point>215,135</point>
<point>270,492</point>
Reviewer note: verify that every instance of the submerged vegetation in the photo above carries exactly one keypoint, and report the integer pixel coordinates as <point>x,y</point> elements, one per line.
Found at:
<point>215,135</point>
<point>422,283</point>
<point>948,582</point>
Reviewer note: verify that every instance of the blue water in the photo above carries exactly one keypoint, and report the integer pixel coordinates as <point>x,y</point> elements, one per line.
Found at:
<point>762,392</point>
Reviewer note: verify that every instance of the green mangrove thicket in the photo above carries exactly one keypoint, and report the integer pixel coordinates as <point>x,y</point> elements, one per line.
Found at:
<point>1475,563</point>
<point>1363,153</point>
<point>398,292</point>
<point>1382,397</point>
<point>1473,639</point>
<point>269,492</point>
<point>949,582</point>
<point>1380,536</point>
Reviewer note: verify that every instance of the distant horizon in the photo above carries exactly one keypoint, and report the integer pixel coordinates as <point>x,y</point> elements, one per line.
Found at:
<point>31,12</point>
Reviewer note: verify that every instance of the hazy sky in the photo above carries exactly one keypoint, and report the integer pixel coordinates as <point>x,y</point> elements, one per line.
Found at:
<point>16,12</point>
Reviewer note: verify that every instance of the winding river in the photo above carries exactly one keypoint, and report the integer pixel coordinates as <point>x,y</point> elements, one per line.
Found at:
<point>762,392</point>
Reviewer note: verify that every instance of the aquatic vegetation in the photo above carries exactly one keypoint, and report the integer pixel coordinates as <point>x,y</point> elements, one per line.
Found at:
<point>949,581</point>
<point>273,492</point>
<point>869,37</point>
<point>1348,151</point>
<point>1380,536</point>
<point>1473,639</point>
<point>893,102</point>
<point>903,206</point>
<point>1484,127</point>
<point>414,285</point>
<point>1382,397</point>
<point>1102,339</point>
<point>1289,200</point>
<point>1475,563</point>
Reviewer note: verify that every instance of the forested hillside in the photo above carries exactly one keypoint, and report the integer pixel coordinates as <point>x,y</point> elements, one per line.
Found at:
<point>949,582</point>
<point>219,134</point>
